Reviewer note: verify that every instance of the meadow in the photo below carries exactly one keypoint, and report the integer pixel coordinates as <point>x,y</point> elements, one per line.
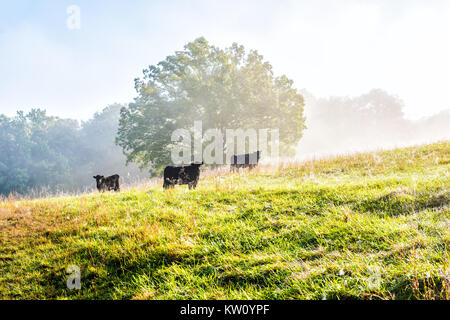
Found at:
<point>364,226</point>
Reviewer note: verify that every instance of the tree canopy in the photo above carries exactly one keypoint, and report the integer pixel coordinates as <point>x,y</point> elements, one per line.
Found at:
<point>224,88</point>
<point>33,151</point>
<point>41,153</point>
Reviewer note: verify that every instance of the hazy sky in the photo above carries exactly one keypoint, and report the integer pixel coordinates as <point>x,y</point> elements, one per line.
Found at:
<point>327,47</point>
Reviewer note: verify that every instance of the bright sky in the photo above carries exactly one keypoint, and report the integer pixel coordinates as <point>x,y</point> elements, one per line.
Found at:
<point>341,47</point>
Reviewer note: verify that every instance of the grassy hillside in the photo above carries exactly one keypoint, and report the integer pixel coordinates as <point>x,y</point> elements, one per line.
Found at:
<point>366,226</point>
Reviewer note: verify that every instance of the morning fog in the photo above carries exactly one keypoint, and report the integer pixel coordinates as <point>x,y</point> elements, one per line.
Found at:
<point>218,146</point>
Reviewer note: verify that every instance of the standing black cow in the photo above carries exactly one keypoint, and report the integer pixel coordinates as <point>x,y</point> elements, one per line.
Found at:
<point>245,160</point>
<point>108,183</point>
<point>182,175</point>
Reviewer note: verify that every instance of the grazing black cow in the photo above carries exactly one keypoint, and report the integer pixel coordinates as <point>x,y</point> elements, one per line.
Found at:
<point>108,183</point>
<point>245,160</point>
<point>182,175</point>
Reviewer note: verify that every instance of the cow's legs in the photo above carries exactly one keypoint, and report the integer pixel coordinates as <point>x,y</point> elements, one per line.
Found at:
<point>168,184</point>
<point>193,184</point>
<point>196,182</point>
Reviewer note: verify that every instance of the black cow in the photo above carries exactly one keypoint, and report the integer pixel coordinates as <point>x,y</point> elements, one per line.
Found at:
<point>108,183</point>
<point>182,175</point>
<point>245,160</point>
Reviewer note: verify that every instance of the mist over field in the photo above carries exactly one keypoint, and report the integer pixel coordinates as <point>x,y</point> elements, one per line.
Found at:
<point>373,121</point>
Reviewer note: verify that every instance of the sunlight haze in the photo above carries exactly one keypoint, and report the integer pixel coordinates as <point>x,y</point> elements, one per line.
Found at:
<point>330,48</point>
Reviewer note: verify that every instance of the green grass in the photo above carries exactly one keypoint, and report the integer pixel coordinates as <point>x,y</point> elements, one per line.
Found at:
<point>366,226</point>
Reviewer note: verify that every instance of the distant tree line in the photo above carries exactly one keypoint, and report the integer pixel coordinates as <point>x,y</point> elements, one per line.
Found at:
<point>40,152</point>
<point>366,122</point>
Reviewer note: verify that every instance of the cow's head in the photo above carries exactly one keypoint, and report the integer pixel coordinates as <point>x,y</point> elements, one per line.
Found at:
<point>99,179</point>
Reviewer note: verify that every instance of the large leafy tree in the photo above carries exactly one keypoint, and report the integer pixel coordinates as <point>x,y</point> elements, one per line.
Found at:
<point>224,88</point>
